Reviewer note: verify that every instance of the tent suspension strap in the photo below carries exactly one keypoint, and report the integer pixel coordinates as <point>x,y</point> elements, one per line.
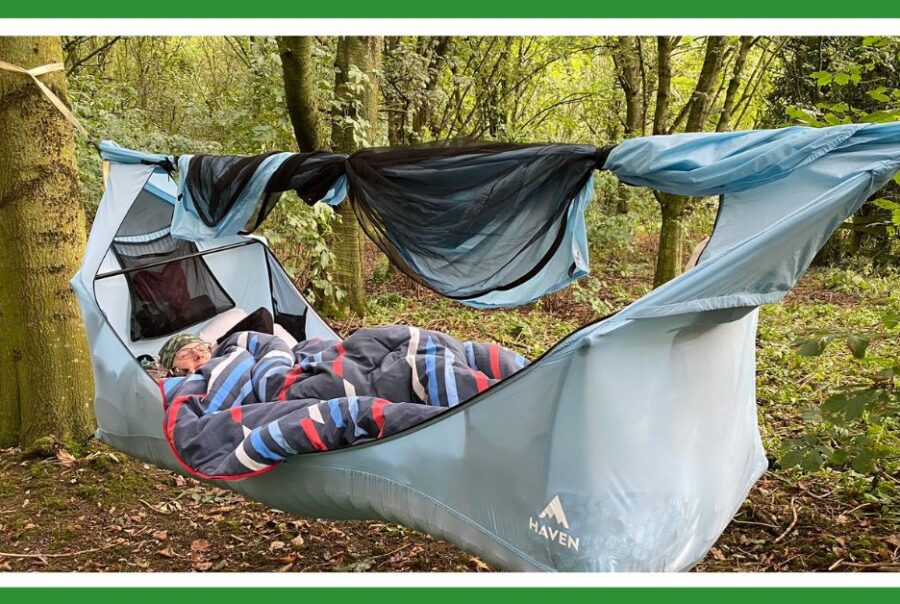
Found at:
<point>51,96</point>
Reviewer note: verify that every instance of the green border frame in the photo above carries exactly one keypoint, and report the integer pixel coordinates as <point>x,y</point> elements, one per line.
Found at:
<point>797,9</point>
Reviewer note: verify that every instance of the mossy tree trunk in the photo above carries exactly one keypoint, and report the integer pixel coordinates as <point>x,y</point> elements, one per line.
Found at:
<point>45,373</point>
<point>297,67</point>
<point>675,208</point>
<point>627,58</point>
<point>671,237</point>
<point>355,118</point>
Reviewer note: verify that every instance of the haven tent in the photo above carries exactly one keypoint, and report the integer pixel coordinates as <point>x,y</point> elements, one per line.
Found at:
<point>628,446</point>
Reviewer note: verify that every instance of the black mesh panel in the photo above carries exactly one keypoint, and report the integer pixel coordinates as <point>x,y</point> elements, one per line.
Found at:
<point>287,305</point>
<point>172,292</point>
<point>466,220</point>
<point>216,183</point>
<point>147,214</point>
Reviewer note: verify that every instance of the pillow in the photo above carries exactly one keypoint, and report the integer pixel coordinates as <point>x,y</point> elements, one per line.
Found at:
<point>222,323</point>
<point>228,319</point>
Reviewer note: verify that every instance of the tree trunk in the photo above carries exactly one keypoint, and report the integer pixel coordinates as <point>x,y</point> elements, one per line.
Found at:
<point>675,208</point>
<point>664,47</point>
<point>671,237</point>
<point>354,126</point>
<point>701,100</point>
<point>423,115</point>
<point>45,373</point>
<point>297,66</point>
<point>396,103</point>
<point>628,73</point>
<point>734,84</point>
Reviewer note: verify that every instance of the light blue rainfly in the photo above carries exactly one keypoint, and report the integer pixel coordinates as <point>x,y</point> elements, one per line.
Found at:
<point>640,430</point>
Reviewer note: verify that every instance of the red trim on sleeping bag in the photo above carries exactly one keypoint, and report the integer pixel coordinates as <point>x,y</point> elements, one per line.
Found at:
<point>378,414</point>
<point>162,393</point>
<point>338,365</point>
<point>494,354</point>
<point>169,432</point>
<point>289,380</point>
<point>481,380</point>
<point>310,430</point>
<point>237,414</point>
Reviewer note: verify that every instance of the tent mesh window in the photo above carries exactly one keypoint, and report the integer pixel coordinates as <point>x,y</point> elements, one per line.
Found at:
<point>171,289</point>
<point>147,217</point>
<point>287,307</point>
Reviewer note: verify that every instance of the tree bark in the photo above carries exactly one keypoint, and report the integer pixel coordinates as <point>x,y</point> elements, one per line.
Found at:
<point>701,100</point>
<point>628,73</point>
<point>664,47</point>
<point>734,84</point>
<point>423,115</point>
<point>675,208</point>
<point>671,237</point>
<point>355,125</point>
<point>297,66</point>
<point>46,384</point>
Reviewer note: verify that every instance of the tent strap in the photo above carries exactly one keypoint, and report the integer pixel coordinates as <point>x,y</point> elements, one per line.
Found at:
<point>34,72</point>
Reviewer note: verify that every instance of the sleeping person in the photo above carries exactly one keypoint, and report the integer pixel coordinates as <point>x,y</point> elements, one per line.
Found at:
<point>185,353</point>
<point>317,395</point>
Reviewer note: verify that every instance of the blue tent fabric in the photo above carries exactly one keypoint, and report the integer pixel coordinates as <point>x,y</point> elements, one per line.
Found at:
<point>226,195</point>
<point>188,222</point>
<point>713,164</point>
<point>112,152</point>
<point>489,224</point>
<point>629,446</point>
<point>478,223</point>
<point>783,193</point>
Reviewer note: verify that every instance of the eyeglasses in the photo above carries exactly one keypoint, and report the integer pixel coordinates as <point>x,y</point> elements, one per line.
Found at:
<point>189,351</point>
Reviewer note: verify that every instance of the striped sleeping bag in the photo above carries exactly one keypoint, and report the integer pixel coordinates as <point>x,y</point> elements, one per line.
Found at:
<point>258,401</point>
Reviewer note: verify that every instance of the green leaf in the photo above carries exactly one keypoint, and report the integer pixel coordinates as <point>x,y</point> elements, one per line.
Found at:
<point>842,408</point>
<point>886,204</point>
<point>881,117</point>
<point>858,345</point>
<point>842,79</point>
<point>856,405</point>
<point>885,375</point>
<point>803,116</point>
<point>835,404</point>
<point>823,78</point>
<point>810,348</point>
<point>791,458</point>
<point>863,463</point>
<point>812,461</point>
<point>839,457</point>
<point>879,94</point>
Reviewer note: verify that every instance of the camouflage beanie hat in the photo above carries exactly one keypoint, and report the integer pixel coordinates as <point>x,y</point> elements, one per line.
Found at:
<point>173,345</point>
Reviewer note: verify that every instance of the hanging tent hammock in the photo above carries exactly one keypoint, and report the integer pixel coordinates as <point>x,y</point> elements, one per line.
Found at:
<point>628,446</point>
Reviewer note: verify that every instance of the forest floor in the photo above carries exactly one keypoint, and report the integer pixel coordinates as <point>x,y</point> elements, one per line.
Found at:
<point>97,509</point>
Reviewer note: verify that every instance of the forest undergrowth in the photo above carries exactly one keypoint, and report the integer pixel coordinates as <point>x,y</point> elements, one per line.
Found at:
<point>92,508</point>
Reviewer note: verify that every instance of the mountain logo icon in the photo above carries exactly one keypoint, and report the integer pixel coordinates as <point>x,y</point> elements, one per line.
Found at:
<point>554,510</point>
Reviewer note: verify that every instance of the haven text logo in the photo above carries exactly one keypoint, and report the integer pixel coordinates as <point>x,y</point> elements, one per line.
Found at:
<point>542,526</point>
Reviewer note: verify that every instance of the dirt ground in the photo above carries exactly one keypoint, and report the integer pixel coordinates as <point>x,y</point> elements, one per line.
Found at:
<point>102,511</point>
